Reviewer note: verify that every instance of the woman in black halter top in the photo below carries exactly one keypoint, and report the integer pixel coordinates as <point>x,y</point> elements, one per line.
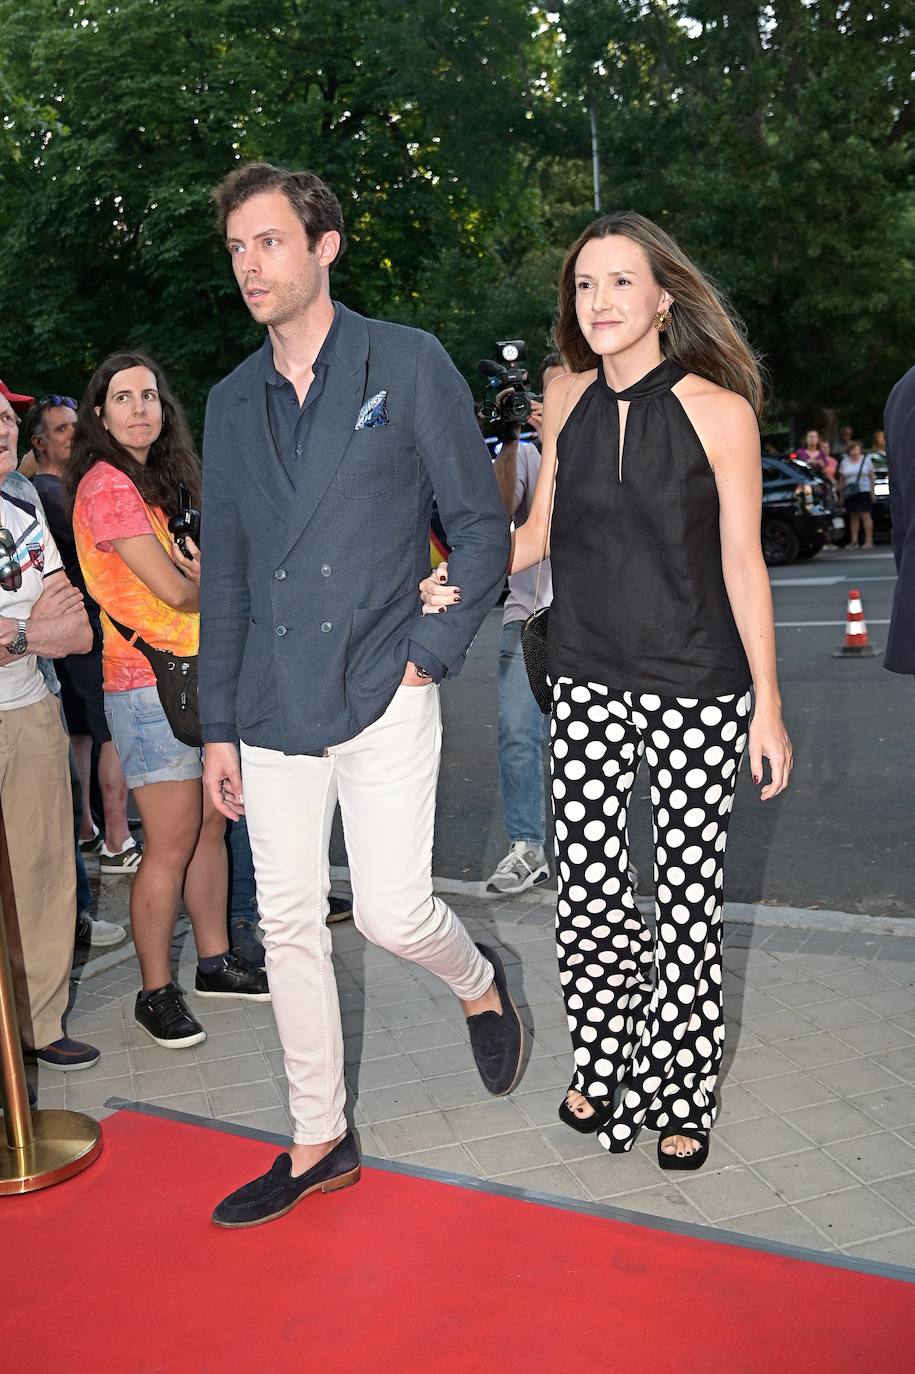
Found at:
<point>661,621</point>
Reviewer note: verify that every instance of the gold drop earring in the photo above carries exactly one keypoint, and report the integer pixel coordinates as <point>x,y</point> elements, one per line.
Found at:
<point>662,320</point>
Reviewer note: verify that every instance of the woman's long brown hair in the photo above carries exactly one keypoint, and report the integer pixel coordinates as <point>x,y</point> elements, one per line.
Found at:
<point>704,335</point>
<point>172,459</point>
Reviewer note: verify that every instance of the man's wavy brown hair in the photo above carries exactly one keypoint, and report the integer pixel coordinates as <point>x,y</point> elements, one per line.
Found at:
<point>704,335</point>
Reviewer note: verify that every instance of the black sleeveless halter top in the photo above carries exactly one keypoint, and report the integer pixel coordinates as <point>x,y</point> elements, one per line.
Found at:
<point>639,601</point>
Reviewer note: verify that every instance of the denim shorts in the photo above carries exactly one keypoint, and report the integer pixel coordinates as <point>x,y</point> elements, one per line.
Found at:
<point>143,738</point>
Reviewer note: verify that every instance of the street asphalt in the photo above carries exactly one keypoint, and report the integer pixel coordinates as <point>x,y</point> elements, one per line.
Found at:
<point>841,838</point>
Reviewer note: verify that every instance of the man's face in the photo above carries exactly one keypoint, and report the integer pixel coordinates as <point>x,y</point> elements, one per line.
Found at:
<point>845,433</point>
<point>55,442</point>
<point>9,436</point>
<point>279,276</point>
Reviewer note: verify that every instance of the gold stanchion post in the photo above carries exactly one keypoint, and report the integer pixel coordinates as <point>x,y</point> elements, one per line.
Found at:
<point>42,1147</point>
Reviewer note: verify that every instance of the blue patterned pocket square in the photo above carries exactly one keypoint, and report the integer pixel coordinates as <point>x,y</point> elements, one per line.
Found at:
<point>374,412</point>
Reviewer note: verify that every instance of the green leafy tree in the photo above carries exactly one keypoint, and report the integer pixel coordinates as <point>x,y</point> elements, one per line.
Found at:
<point>775,143</point>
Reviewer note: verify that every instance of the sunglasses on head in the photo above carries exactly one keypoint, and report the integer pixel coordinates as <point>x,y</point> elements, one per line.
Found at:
<point>52,399</point>
<point>10,571</point>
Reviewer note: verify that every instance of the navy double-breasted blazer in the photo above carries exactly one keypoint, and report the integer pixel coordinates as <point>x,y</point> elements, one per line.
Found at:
<point>309,593</point>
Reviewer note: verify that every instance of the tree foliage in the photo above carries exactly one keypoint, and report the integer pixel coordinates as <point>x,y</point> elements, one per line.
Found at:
<point>774,141</point>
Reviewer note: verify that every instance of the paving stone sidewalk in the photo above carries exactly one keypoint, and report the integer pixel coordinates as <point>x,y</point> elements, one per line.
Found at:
<point>815,1142</point>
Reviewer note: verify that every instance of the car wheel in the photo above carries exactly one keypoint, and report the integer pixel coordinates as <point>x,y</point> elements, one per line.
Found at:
<point>780,544</point>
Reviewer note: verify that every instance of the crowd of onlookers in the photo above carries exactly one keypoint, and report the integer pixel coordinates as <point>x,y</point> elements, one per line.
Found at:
<point>64,787</point>
<point>850,467</point>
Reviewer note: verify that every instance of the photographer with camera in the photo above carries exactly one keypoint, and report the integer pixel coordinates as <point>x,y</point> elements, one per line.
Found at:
<point>523,729</point>
<point>134,527</point>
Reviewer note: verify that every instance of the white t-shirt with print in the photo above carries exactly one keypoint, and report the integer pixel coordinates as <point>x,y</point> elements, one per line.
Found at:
<point>21,684</point>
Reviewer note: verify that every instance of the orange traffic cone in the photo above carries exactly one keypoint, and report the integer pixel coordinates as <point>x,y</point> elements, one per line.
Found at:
<point>857,640</point>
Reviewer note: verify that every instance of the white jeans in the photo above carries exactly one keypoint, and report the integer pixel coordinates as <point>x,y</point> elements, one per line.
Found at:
<point>385,780</point>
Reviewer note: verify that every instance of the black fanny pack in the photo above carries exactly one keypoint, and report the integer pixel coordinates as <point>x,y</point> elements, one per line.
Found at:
<point>176,683</point>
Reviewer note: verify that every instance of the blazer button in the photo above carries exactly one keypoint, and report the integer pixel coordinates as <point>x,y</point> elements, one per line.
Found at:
<point>326,570</point>
<point>280,574</point>
<point>326,627</point>
<point>281,630</point>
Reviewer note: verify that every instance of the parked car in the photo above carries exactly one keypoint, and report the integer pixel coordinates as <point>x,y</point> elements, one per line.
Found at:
<point>800,512</point>
<point>883,525</point>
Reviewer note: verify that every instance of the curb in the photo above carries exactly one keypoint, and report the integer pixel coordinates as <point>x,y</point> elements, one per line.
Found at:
<point>740,913</point>
<point>736,913</point>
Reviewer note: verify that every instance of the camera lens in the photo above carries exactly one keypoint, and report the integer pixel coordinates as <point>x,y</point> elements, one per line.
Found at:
<point>517,406</point>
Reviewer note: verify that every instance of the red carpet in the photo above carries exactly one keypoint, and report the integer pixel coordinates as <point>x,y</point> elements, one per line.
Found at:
<point>120,1272</point>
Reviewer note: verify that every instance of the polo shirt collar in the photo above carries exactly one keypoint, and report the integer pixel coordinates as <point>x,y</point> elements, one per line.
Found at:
<point>273,377</point>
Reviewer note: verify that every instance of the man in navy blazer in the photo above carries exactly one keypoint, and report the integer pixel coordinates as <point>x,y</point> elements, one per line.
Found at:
<point>318,670</point>
<point>899,423</point>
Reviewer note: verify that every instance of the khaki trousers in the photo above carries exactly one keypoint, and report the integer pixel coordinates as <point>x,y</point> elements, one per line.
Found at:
<point>38,813</point>
<point>385,780</point>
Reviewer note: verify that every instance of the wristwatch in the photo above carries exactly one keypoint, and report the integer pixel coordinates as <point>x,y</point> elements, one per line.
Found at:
<point>422,672</point>
<point>19,644</point>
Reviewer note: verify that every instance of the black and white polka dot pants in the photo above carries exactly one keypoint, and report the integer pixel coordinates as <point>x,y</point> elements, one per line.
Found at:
<point>645,1013</point>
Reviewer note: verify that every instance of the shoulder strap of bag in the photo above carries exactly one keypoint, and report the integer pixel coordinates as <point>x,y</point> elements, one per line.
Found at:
<point>549,522</point>
<point>133,637</point>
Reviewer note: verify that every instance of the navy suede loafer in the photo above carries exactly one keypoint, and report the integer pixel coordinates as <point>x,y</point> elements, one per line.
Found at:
<point>497,1040</point>
<point>277,1192</point>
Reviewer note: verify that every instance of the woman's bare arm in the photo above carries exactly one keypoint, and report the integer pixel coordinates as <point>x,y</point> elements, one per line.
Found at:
<point>727,428</point>
<point>146,558</point>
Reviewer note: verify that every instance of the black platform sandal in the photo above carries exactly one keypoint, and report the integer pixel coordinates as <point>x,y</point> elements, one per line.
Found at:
<point>586,1125</point>
<point>695,1160</point>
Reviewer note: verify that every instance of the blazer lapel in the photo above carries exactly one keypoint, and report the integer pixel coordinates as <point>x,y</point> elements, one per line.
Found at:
<point>252,427</point>
<point>334,424</point>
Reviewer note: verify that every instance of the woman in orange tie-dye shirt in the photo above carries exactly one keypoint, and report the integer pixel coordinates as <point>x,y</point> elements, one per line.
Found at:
<point>131,451</point>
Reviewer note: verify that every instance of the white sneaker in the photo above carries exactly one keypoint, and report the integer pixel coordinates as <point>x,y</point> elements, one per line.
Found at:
<point>523,866</point>
<point>92,932</point>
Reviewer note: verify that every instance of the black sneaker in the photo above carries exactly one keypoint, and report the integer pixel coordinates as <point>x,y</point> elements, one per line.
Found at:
<point>236,978</point>
<point>164,1016</point>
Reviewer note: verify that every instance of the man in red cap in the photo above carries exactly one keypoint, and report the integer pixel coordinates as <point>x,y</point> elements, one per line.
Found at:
<point>20,405</point>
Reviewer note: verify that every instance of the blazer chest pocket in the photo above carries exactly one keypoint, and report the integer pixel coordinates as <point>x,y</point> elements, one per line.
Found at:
<point>376,462</point>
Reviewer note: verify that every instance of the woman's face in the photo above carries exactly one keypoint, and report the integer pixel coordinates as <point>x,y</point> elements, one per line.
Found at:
<point>812,442</point>
<point>616,296</point>
<point>132,412</point>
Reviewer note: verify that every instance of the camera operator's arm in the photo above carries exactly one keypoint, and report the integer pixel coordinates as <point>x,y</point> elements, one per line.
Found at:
<point>528,540</point>
<point>505,466</point>
<point>506,470</point>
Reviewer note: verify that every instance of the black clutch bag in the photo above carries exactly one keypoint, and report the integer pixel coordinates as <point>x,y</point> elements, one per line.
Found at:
<point>533,647</point>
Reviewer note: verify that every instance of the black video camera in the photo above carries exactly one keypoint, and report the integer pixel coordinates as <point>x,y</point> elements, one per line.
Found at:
<point>510,376</point>
<point>186,524</point>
